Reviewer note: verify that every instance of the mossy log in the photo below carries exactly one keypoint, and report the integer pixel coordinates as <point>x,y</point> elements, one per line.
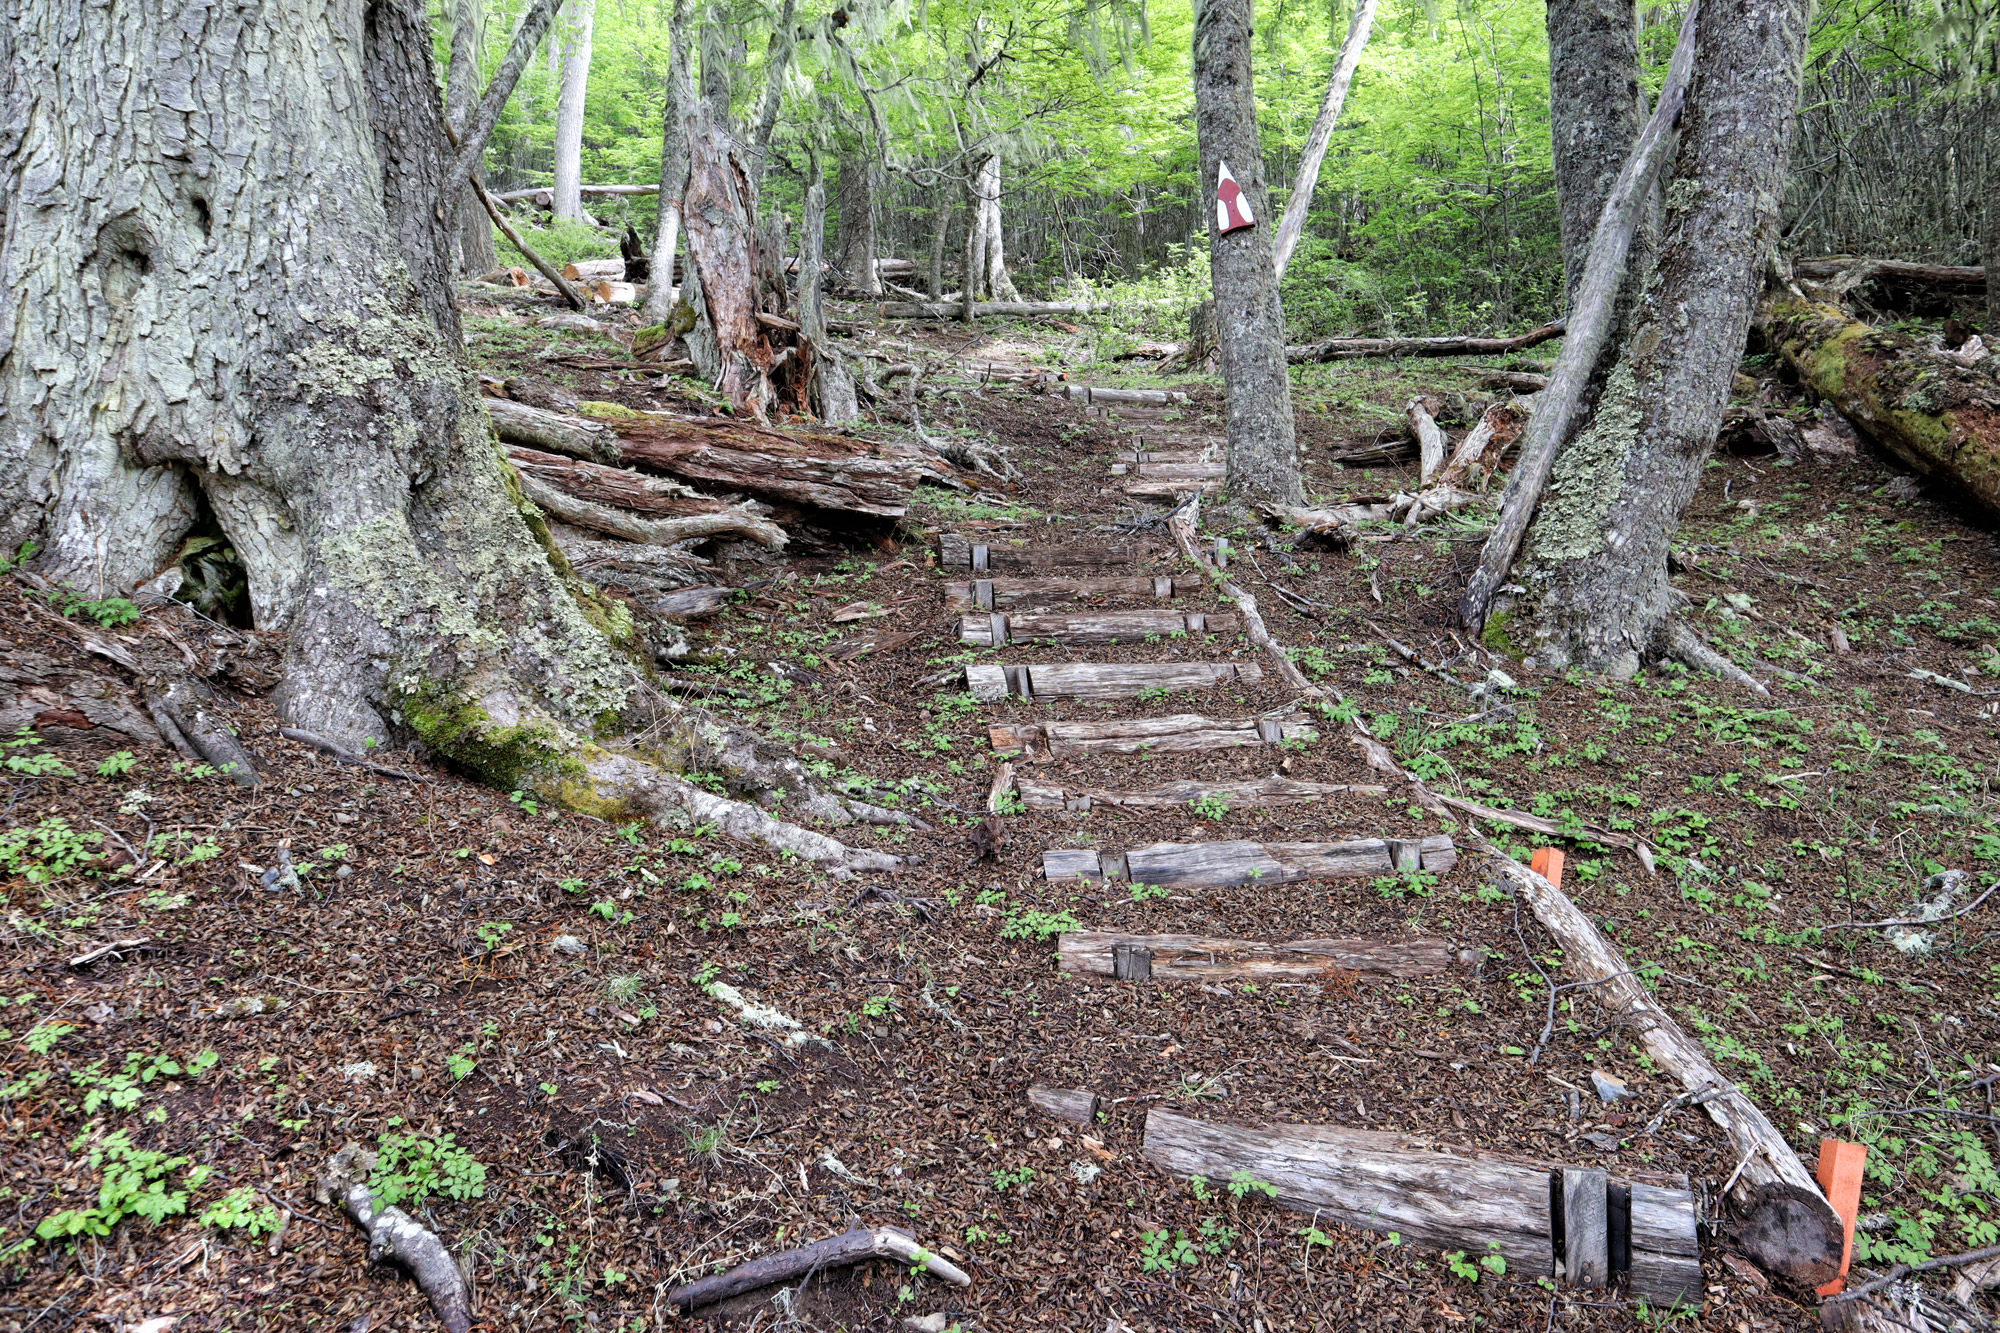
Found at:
<point>1940,418</point>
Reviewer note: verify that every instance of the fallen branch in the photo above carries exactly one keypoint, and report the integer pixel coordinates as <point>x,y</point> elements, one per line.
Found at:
<point>1182,525</point>
<point>339,755</point>
<point>1901,1271</point>
<point>853,1247</point>
<point>396,1237</point>
<point>1914,920</point>
<point>1549,828</point>
<point>528,252</point>
<point>594,517</point>
<point>1350,349</point>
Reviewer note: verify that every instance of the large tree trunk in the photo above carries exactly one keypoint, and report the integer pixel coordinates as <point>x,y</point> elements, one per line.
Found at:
<point>719,210</point>
<point>832,385</point>
<point>661,293</point>
<point>1989,238</point>
<point>1306,179</point>
<point>569,111</point>
<point>1596,110</point>
<point>1935,415</point>
<point>999,284</point>
<point>855,241</point>
<point>476,252</point>
<point>1596,561</point>
<point>974,258</point>
<point>1250,324</point>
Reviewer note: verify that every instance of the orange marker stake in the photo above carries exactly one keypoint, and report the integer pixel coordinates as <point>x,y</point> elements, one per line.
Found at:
<point>1548,863</point>
<point>1840,1166</point>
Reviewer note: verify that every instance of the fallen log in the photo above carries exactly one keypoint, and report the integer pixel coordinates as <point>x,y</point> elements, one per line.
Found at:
<point>555,432</point>
<point>591,270</point>
<point>958,552</point>
<point>1424,430</point>
<point>996,594</point>
<point>853,1247</point>
<point>953,310</point>
<point>1103,680</point>
<point>1938,417</point>
<point>1177,734</point>
<point>396,1237</point>
<point>619,487</point>
<point>1075,1105</point>
<point>543,196</point>
<point>1200,865</point>
<point>542,266</point>
<point>1195,958</point>
<point>593,517</point>
<point>997,629</point>
<point>1091,394</point>
<point>1349,349</point>
<point>1242,791</point>
<point>1895,284</point>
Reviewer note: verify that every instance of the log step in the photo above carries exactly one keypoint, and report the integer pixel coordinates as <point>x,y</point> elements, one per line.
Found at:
<point>1103,680</point>
<point>1178,471</point>
<point>1195,958</point>
<point>1209,865</point>
<point>1154,456</point>
<point>1003,594</point>
<point>1179,733</point>
<point>1168,489</point>
<point>1248,791</point>
<point>995,629</point>
<point>1094,396</point>
<point>959,552</point>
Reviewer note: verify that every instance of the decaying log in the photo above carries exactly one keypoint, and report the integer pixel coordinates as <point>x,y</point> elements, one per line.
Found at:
<point>1348,349</point>
<point>1895,284</point>
<point>984,309</point>
<point>1520,819</point>
<point>1149,735</point>
<point>1479,455</point>
<point>691,603</point>
<point>996,629</point>
<point>595,517</point>
<point>1238,792</point>
<point>1194,958</point>
<point>853,1247</point>
<point>1005,594</point>
<point>1424,430</point>
<point>396,1237</point>
<point>556,432</point>
<point>1935,415</point>
<point>184,710</point>
<point>959,552</point>
<point>1665,1254</point>
<point>1074,1105</point>
<point>1198,865</point>
<point>619,487</point>
<point>1103,680</point>
<point>1090,394</point>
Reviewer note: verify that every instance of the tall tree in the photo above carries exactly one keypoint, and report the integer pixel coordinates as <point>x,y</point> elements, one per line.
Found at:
<point>661,292</point>
<point>854,188</point>
<point>1306,179</point>
<point>1596,110</point>
<point>1250,323</point>
<point>476,252</point>
<point>569,110</point>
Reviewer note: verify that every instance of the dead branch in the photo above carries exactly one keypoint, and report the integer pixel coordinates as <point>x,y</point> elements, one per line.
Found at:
<point>853,1247</point>
<point>396,1237</point>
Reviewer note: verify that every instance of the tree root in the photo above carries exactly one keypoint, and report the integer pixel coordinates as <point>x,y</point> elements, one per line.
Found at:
<point>1680,643</point>
<point>396,1237</point>
<point>183,709</point>
<point>770,775</point>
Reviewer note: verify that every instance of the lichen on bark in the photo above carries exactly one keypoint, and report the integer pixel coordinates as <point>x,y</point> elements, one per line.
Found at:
<point>1586,478</point>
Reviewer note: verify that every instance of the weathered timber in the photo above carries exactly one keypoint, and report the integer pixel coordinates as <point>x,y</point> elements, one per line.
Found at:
<point>621,488</point>
<point>1135,455</point>
<point>1075,1105</point>
<point>1193,958</point>
<point>1004,594</point>
<point>996,629</point>
<point>1348,349</point>
<point>691,603</point>
<point>959,552</point>
<point>1665,1255</point>
<point>1103,680</point>
<point>1179,733</point>
<point>1424,430</point>
<point>1937,416</point>
<point>984,309</point>
<point>1169,489</point>
<point>1359,1179</point>
<point>1091,394</point>
<point>555,432</point>
<point>1219,864</point>
<point>1895,284</point>
<point>1586,1235</point>
<point>853,1247</point>
<point>1244,791</point>
<point>1188,471</point>
<point>593,517</point>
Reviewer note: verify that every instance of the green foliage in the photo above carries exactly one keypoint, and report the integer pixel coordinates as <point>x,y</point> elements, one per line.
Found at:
<point>46,852</point>
<point>138,1182</point>
<point>410,1168</point>
<point>238,1211</point>
<point>559,242</point>
<point>1160,1251</point>
<point>1033,923</point>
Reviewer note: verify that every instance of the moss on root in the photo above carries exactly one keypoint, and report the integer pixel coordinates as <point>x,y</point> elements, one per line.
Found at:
<point>528,755</point>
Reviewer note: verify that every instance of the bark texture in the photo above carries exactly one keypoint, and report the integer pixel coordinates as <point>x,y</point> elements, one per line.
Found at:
<point>569,110</point>
<point>1597,557</point>
<point>854,190</point>
<point>661,292</point>
<point>476,251</point>
<point>1596,110</point>
<point>1250,323</point>
<point>998,283</point>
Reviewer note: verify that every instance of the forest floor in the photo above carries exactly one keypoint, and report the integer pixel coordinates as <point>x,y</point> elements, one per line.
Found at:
<point>589,1129</point>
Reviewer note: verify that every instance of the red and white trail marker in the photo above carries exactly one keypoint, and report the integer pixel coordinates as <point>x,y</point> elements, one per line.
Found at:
<point>1232,207</point>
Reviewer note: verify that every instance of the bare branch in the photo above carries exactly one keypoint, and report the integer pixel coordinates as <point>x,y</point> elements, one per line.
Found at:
<point>472,142</point>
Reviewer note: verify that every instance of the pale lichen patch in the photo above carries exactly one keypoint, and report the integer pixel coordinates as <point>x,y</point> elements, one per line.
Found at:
<point>1587,476</point>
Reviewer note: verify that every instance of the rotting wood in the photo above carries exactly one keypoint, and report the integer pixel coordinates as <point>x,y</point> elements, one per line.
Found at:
<point>590,516</point>
<point>1179,733</point>
<point>555,432</point>
<point>1093,395</point>
<point>618,487</point>
<point>1005,594</point>
<point>691,603</point>
<point>853,1247</point>
<point>1219,864</point>
<point>1365,1180</point>
<point>1348,349</point>
<point>1103,680</point>
<point>959,552</point>
<point>1665,1255</point>
<point>1520,819</point>
<point>1239,792</point>
<point>1195,958</point>
<point>1074,1105</point>
<point>1423,428</point>
<point>997,629</point>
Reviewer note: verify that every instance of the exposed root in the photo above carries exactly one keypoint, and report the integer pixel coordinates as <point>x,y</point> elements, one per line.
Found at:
<point>184,709</point>
<point>395,1237</point>
<point>1680,643</point>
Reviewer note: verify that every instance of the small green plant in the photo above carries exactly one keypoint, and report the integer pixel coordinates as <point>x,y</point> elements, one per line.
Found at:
<point>1005,1179</point>
<point>1141,892</point>
<point>46,852</point>
<point>117,764</point>
<point>490,933</point>
<point>1242,1183</point>
<point>1209,807</point>
<point>411,1168</point>
<point>238,1211</point>
<point>138,1182</point>
<point>1033,923</point>
<point>460,1062</point>
<point>625,987</point>
<point>1161,1250</point>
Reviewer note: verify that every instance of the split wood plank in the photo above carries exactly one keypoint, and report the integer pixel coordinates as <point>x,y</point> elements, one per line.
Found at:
<point>1666,1256</point>
<point>1195,958</point>
<point>959,552</point>
<point>997,629</point>
<point>1194,471</point>
<point>1157,456</point>
<point>1246,791</point>
<point>1177,734</point>
<point>1168,488</point>
<point>1220,864</point>
<point>1075,1105</point>
<point>1441,1200</point>
<point>1004,594</point>
<point>1586,1237</point>
<point>1103,680</point>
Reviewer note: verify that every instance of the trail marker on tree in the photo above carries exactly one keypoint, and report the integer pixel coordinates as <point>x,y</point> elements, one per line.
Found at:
<point>1232,209</point>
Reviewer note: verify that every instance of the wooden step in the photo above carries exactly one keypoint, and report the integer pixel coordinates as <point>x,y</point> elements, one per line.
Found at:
<point>1148,735</point>
<point>1196,958</point>
<point>1243,792</point>
<point>1179,471</point>
<point>1169,489</point>
<point>1002,594</point>
<point>1211,865</point>
<point>1103,680</point>
<point>1151,456</point>
<point>1096,397</point>
<point>958,552</point>
<point>995,629</point>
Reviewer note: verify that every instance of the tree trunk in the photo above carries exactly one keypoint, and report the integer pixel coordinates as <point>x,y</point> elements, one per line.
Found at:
<point>999,285</point>
<point>1596,110</point>
<point>1305,180</point>
<point>569,111</point>
<point>475,248</point>
<point>719,209</point>
<point>1931,413</point>
<point>1597,550</point>
<point>777,62</point>
<point>1249,322</point>
<point>940,225</point>
<point>855,241</point>
<point>1989,238</point>
<point>832,385</point>
<point>974,259</point>
<point>661,293</point>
